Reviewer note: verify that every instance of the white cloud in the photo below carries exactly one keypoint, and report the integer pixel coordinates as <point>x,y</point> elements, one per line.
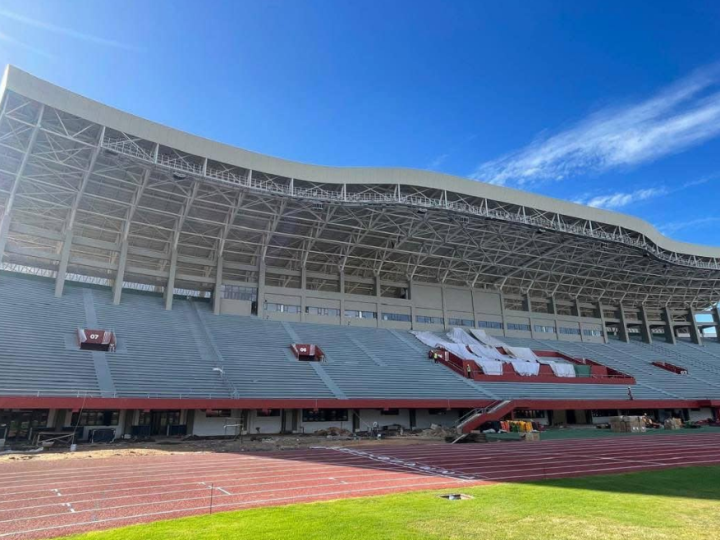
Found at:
<point>65,31</point>
<point>676,226</point>
<point>620,199</point>
<point>439,160</point>
<point>685,114</point>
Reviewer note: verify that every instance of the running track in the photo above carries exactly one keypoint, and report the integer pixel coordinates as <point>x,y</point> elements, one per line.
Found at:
<point>52,498</point>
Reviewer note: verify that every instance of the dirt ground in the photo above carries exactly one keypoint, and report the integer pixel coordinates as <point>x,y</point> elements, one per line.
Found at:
<point>175,446</point>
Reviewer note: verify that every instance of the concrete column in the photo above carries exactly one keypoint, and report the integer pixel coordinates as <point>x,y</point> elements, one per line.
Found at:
<point>601,316</point>
<point>645,331</point>
<point>444,306</point>
<point>261,289</point>
<point>120,276</point>
<point>170,287</point>
<point>472,304</point>
<point>527,303</point>
<point>4,232</point>
<point>553,306</point>
<point>716,319</point>
<point>217,290</point>
<point>695,335</point>
<point>502,313</point>
<point>411,297</point>
<point>64,259</point>
<point>624,334</point>
<point>303,290</point>
<point>669,326</point>
<point>342,298</point>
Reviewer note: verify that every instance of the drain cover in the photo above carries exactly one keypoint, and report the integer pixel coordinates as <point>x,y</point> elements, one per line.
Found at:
<point>456,497</point>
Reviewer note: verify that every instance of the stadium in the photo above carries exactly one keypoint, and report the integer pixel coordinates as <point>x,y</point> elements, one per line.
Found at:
<point>157,284</point>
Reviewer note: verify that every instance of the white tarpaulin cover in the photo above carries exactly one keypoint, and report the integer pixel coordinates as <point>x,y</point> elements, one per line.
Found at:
<point>491,353</point>
<point>490,367</point>
<point>428,338</point>
<point>522,353</point>
<point>562,369</point>
<point>460,336</point>
<point>483,337</point>
<point>479,349</point>
<point>526,368</point>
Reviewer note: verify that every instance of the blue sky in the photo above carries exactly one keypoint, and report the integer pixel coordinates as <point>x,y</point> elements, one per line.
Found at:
<point>612,104</point>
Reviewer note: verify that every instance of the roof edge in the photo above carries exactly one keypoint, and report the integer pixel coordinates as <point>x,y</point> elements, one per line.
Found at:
<point>28,85</point>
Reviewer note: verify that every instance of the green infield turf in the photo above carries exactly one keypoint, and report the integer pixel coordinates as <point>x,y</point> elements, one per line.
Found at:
<point>673,504</point>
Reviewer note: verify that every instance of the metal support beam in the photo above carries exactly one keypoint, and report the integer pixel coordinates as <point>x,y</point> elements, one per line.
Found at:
<point>217,290</point>
<point>7,215</point>
<point>120,276</point>
<point>669,326</point>
<point>170,287</point>
<point>645,331</point>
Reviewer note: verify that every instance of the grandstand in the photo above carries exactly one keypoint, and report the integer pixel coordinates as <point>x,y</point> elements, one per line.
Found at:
<point>208,263</point>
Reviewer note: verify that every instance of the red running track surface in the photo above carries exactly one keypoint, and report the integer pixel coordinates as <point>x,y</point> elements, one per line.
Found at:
<point>53,498</point>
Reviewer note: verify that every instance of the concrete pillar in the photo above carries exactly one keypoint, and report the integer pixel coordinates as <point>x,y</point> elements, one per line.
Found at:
<point>4,232</point>
<point>624,334</point>
<point>553,306</point>
<point>645,331</point>
<point>217,290</point>
<point>577,309</point>
<point>64,259</point>
<point>444,306</point>
<point>669,326</point>
<point>303,290</point>
<point>261,289</point>
<point>411,297</point>
<point>527,303</point>
<point>601,316</point>
<point>502,313</point>
<point>716,319</point>
<point>342,298</point>
<point>472,304</point>
<point>120,276</point>
<point>170,286</point>
<point>695,335</point>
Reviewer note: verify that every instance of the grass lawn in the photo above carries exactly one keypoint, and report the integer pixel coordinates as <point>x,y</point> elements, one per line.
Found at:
<point>670,505</point>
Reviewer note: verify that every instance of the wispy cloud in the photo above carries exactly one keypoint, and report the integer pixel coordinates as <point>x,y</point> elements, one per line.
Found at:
<point>17,43</point>
<point>676,226</point>
<point>439,160</point>
<point>65,31</point>
<point>620,199</point>
<point>682,115</point>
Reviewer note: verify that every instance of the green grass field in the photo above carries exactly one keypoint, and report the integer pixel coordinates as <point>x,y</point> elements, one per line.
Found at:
<point>674,504</point>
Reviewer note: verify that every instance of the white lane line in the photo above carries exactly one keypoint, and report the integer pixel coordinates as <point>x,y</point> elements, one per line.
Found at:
<point>223,491</point>
<point>187,511</point>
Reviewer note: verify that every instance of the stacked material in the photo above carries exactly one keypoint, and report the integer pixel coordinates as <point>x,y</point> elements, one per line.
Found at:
<point>627,424</point>
<point>673,423</point>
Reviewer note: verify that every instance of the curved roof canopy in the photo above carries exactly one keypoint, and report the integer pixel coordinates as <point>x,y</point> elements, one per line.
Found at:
<point>69,165</point>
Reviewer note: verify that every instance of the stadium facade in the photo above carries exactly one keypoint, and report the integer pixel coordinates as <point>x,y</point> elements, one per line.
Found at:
<point>207,262</point>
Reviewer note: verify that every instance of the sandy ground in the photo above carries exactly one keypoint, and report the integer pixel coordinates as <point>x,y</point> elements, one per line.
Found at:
<point>176,447</point>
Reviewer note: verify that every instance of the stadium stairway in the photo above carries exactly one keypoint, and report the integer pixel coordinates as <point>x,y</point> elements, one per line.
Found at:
<point>38,342</point>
